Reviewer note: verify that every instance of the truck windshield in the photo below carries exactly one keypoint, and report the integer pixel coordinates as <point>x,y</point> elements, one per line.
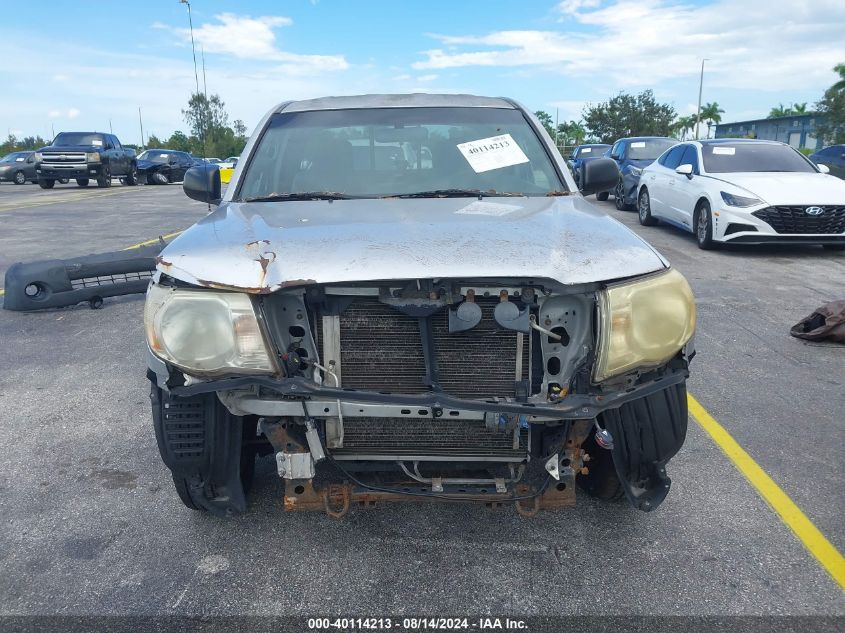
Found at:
<point>78,138</point>
<point>399,151</point>
<point>725,158</point>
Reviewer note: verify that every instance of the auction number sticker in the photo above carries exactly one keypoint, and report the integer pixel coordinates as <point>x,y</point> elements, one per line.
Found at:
<point>725,151</point>
<point>491,153</point>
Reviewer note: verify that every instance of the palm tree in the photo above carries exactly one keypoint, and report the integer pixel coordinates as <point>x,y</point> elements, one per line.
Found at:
<point>711,113</point>
<point>839,85</point>
<point>799,108</point>
<point>682,124</point>
<point>779,111</point>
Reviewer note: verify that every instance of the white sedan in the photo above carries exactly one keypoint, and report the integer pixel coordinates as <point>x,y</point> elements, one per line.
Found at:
<point>743,191</point>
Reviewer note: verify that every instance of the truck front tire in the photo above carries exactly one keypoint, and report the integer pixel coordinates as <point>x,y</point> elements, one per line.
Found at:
<point>82,182</point>
<point>104,179</point>
<point>46,183</point>
<point>132,176</point>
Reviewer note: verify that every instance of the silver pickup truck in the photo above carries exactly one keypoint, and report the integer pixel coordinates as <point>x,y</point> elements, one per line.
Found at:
<point>406,297</point>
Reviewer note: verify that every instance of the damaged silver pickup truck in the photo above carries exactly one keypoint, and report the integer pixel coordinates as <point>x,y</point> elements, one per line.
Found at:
<point>407,297</point>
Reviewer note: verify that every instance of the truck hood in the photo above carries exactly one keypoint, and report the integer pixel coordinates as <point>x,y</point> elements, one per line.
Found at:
<point>71,148</point>
<point>789,188</point>
<point>260,247</point>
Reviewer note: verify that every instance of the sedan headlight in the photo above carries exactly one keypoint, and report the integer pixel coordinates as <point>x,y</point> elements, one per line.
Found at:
<point>734,200</point>
<point>93,157</point>
<point>643,323</point>
<point>205,332</point>
<point>635,171</point>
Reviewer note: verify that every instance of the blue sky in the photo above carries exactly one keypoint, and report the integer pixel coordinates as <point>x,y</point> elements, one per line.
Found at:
<point>78,69</point>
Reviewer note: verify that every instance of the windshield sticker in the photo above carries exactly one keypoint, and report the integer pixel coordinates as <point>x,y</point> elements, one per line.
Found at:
<point>586,150</point>
<point>494,152</point>
<point>96,142</point>
<point>20,159</point>
<point>480,207</point>
<point>163,155</point>
<point>638,144</point>
<point>726,151</point>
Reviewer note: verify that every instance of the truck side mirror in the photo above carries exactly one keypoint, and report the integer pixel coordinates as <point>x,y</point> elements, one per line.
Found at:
<point>600,174</point>
<point>203,183</point>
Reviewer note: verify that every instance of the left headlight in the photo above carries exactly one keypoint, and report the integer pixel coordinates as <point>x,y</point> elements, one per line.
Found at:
<point>739,201</point>
<point>643,323</point>
<point>635,171</point>
<point>205,332</point>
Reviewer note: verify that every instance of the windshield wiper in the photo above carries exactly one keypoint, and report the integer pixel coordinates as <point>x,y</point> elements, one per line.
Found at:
<point>304,195</point>
<point>455,193</point>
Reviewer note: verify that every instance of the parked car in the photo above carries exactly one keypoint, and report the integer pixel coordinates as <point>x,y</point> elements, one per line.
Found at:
<point>583,154</point>
<point>744,191</point>
<point>465,327</point>
<point>83,156</point>
<point>18,167</point>
<point>229,163</point>
<point>162,166</point>
<point>633,155</point>
<point>833,157</point>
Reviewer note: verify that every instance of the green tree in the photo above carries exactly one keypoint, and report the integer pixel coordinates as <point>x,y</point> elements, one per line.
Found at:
<point>799,108</point>
<point>629,115</point>
<point>205,116</point>
<point>546,119</point>
<point>832,111</point>
<point>155,142</point>
<point>571,133</point>
<point>711,114</point>
<point>779,111</point>
<point>682,125</point>
<point>839,85</point>
<point>179,142</point>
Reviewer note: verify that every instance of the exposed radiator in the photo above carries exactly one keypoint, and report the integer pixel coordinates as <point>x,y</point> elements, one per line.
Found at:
<point>381,349</point>
<point>429,438</point>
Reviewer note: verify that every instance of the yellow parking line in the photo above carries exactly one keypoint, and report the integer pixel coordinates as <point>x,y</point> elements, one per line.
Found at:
<point>815,542</point>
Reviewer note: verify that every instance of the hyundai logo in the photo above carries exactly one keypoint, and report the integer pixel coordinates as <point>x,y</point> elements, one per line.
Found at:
<point>813,210</point>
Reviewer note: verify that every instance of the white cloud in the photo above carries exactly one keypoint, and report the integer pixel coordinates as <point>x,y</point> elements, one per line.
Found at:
<point>245,37</point>
<point>426,77</point>
<point>54,114</point>
<point>785,46</point>
<point>72,113</point>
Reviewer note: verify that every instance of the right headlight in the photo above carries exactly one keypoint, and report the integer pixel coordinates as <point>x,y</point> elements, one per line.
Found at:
<point>205,332</point>
<point>643,323</point>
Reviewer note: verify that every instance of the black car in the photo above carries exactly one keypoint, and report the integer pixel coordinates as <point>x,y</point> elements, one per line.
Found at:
<point>833,158</point>
<point>584,154</point>
<point>18,167</point>
<point>162,166</point>
<point>633,155</point>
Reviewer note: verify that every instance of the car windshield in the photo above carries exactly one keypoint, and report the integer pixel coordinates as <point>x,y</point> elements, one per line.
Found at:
<point>78,138</point>
<point>726,158</point>
<point>591,151</point>
<point>156,156</point>
<point>649,149</point>
<point>11,158</point>
<point>399,151</point>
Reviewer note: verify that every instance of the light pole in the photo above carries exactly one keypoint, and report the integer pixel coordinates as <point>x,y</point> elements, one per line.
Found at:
<point>700,86</point>
<point>193,49</point>
<point>196,77</point>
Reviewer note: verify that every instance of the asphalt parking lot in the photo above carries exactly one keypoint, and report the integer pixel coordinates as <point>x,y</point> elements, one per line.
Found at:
<point>92,525</point>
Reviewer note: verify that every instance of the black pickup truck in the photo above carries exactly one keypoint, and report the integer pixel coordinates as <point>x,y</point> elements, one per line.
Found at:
<point>83,156</point>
